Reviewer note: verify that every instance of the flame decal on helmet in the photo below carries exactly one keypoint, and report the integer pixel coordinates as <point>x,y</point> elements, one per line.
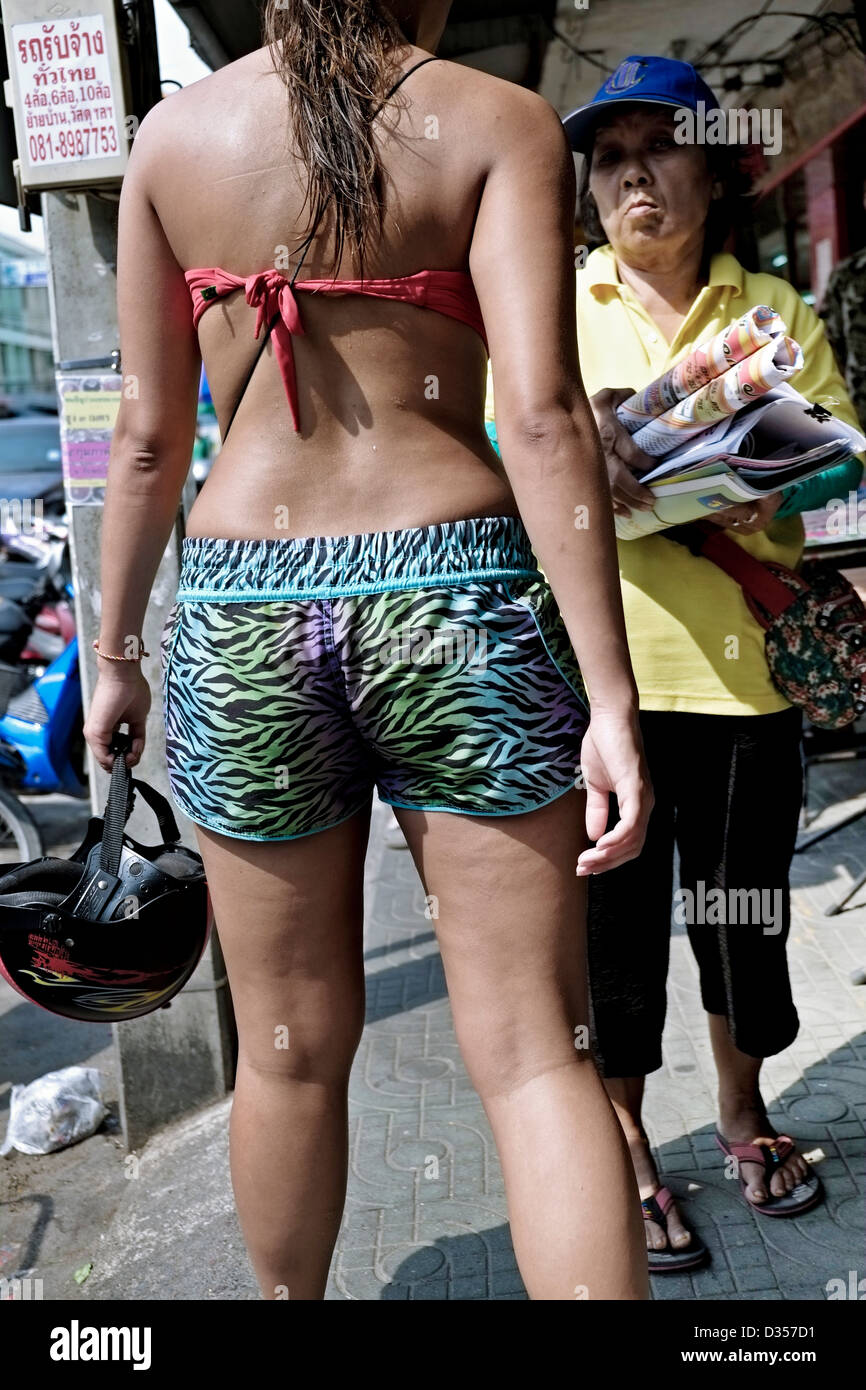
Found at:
<point>102,998</point>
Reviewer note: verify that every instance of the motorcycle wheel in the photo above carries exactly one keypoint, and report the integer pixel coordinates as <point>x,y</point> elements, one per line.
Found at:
<point>20,837</point>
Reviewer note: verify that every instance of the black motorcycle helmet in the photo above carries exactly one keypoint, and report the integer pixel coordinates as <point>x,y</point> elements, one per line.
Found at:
<point>115,931</point>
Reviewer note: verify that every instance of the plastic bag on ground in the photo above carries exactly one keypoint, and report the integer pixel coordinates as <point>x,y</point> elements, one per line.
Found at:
<point>54,1111</point>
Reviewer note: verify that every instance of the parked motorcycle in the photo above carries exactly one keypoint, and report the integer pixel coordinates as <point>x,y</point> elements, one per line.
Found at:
<point>42,746</point>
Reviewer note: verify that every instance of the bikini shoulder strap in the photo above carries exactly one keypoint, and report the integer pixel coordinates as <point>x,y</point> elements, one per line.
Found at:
<point>307,242</point>
<point>400,80</point>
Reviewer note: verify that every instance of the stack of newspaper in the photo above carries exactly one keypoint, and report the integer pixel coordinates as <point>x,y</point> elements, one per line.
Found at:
<point>728,427</point>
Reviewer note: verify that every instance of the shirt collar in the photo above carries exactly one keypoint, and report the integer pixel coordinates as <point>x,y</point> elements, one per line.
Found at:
<point>600,272</point>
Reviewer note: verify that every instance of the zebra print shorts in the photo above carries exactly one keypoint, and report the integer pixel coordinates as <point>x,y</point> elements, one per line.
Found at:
<point>430,663</point>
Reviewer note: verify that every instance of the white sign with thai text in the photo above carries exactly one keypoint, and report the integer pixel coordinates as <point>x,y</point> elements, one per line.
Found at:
<point>68,106</point>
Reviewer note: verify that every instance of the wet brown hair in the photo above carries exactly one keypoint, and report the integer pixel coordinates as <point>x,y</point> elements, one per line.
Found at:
<point>337,60</point>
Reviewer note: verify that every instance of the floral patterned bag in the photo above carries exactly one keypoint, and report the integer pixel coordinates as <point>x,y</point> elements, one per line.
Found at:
<point>814,623</point>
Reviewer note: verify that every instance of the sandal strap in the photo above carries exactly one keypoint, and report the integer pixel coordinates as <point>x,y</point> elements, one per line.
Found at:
<point>771,1153</point>
<point>655,1208</point>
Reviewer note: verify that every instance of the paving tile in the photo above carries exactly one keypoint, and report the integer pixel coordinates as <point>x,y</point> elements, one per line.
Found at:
<point>474,1288</point>
<point>707,1143</point>
<point>506,1281</point>
<point>670,1287</point>
<point>430,1289</point>
<point>710,1282</point>
<point>754,1278</point>
<point>357,1257</point>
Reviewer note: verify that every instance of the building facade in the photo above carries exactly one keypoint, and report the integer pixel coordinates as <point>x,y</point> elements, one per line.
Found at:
<point>26,357</point>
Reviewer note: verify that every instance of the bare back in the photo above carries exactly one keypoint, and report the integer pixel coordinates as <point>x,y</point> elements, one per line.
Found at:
<point>390,395</point>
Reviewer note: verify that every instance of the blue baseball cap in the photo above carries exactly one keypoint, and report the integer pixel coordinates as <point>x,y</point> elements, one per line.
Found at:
<point>657,81</point>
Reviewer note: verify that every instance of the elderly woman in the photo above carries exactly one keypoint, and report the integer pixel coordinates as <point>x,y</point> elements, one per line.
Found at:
<point>723,745</point>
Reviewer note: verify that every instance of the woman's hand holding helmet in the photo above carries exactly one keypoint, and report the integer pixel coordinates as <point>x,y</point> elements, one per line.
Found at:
<point>121,696</point>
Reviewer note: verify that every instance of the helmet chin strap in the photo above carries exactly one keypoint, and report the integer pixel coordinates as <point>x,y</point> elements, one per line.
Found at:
<point>121,798</point>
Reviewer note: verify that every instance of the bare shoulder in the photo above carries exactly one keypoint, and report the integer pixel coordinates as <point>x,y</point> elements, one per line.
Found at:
<point>504,110</point>
<point>179,116</point>
<point>510,120</point>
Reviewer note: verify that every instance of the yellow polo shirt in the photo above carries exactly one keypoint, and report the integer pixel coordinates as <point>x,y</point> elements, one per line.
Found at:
<point>693,641</point>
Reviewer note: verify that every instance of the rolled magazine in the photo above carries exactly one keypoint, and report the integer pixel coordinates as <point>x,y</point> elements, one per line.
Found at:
<point>724,395</point>
<point>753,330</point>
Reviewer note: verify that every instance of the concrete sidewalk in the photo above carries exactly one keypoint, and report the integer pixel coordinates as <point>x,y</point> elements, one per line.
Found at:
<point>426,1214</point>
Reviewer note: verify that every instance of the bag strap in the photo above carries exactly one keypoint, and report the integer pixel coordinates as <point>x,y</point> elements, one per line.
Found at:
<point>753,577</point>
<point>306,244</point>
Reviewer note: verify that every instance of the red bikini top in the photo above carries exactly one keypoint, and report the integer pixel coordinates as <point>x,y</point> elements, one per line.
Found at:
<point>449,292</point>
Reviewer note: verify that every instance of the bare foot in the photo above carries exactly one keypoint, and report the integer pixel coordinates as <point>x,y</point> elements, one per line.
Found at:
<point>678,1237</point>
<point>743,1123</point>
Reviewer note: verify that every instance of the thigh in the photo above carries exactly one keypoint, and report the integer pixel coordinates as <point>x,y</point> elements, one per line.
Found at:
<point>509,915</point>
<point>290,921</point>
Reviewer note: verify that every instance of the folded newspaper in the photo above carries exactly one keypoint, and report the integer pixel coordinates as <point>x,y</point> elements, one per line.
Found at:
<point>778,439</point>
<point>728,427</point>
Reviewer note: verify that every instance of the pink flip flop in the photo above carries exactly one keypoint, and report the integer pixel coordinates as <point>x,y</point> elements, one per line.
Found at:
<point>771,1153</point>
<point>670,1261</point>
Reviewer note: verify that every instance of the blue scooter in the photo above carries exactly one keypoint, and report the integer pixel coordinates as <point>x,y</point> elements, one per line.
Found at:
<point>43,716</point>
<point>43,723</point>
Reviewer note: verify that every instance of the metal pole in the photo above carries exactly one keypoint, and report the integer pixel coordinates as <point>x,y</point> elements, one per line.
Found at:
<point>179,1058</point>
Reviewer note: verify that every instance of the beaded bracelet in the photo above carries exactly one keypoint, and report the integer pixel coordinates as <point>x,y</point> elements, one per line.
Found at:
<point>109,657</point>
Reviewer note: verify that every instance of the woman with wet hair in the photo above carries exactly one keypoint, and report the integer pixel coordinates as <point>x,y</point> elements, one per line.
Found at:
<point>361,604</point>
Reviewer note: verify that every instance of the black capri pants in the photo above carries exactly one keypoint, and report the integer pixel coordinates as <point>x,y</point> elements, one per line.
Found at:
<point>728,790</point>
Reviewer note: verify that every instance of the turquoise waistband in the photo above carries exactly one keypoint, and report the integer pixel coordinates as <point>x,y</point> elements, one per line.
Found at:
<point>450,552</point>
